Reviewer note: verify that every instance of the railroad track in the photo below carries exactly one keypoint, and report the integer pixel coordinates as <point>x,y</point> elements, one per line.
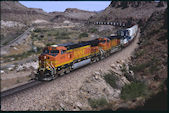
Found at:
<point>19,88</point>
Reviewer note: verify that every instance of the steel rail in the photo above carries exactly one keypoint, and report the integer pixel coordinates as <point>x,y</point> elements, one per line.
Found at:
<point>19,88</point>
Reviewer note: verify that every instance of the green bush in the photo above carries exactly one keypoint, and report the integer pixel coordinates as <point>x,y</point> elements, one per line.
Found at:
<point>153,69</point>
<point>83,35</point>
<point>124,70</point>
<point>139,53</point>
<point>154,66</point>
<point>133,90</point>
<point>18,81</point>
<point>20,56</point>
<point>63,34</point>
<point>37,30</point>
<point>49,34</point>
<point>92,30</point>
<point>138,67</point>
<point>110,79</point>
<point>95,103</point>
<point>141,67</point>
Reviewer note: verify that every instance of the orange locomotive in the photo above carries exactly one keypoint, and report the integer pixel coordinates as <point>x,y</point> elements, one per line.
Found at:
<point>59,59</point>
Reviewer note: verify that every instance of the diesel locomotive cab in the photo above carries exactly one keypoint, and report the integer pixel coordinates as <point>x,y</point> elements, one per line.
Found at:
<point>48,60</point>
<point>104,43</point>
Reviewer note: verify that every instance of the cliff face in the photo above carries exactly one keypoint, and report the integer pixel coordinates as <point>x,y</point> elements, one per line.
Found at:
<point>150,60</point>
<point>72,14</point>
<point>124,11</point>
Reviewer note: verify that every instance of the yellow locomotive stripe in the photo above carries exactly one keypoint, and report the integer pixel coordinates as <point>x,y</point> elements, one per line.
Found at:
<point>53,62</point>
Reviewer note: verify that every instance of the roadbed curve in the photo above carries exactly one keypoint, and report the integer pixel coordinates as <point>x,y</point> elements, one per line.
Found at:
<point>37,97</point>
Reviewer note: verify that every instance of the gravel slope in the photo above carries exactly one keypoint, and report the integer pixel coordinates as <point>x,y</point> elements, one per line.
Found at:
<point>40,97</point>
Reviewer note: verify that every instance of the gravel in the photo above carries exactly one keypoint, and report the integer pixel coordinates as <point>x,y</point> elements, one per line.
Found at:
<point>41,97</point>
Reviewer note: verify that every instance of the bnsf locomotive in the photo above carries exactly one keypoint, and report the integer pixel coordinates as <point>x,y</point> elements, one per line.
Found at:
<point>57,60</point>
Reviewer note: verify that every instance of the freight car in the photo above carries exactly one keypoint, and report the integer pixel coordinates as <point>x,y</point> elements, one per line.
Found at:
<point>57,60</point>
<point>127,35</point>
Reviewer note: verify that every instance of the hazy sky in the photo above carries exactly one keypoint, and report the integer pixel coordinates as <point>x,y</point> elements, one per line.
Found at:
<point>50,6</point>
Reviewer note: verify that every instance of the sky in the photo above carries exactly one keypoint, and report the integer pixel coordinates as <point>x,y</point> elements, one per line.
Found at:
<point>50,6</point>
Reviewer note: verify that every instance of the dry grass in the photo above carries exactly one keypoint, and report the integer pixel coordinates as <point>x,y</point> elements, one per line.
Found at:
<point>8,83</point>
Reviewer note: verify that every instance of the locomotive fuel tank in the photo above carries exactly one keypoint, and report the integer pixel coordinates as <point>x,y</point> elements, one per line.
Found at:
<point>82,63</point>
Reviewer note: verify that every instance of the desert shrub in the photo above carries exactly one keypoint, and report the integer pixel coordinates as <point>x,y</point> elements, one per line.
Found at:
<point>37,30</point>
<point>154,65</point>
<point>18,81</point>
<point>83,35</point>
<point>139,53</point>
<point>133,90</point>
<point>146,42</point>
<point>126,73</point>
<point>95,103</point>
<point>92,30</point>
<point>138,67</point>
<point>153,69</point>
<point>64,33</point>
<point>110,79</point>
<point>61,35</point>
<point>141,67</point>
<point>151,66</point>
<point>123,69</point>
<point>21,56</point>
<point>49,34</point>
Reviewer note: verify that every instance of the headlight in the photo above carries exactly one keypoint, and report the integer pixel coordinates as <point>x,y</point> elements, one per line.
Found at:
<point>47,67</point>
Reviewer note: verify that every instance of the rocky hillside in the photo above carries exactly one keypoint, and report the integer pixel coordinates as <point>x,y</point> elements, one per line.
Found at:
<point>72,14</point>
<point>150,60</point>
<point>15,18</point>
<point>133,11</point>
<point>14,11</point>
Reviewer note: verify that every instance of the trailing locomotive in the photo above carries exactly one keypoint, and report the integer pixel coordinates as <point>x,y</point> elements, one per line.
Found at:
<point>57,60</point>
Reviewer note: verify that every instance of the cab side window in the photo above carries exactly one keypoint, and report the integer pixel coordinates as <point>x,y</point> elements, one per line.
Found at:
<point>63,51</point>
<point>103,41</point>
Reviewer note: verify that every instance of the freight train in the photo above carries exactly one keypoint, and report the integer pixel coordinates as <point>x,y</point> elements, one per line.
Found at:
<point>56,60</point>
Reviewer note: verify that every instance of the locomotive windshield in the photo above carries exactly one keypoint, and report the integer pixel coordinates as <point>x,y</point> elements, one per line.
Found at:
<point>54,52</point>
<point>103,41</point>
<point>51,52</point>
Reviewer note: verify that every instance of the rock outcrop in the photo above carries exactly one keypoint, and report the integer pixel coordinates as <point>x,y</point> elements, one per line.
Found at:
<point>72,14</point>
